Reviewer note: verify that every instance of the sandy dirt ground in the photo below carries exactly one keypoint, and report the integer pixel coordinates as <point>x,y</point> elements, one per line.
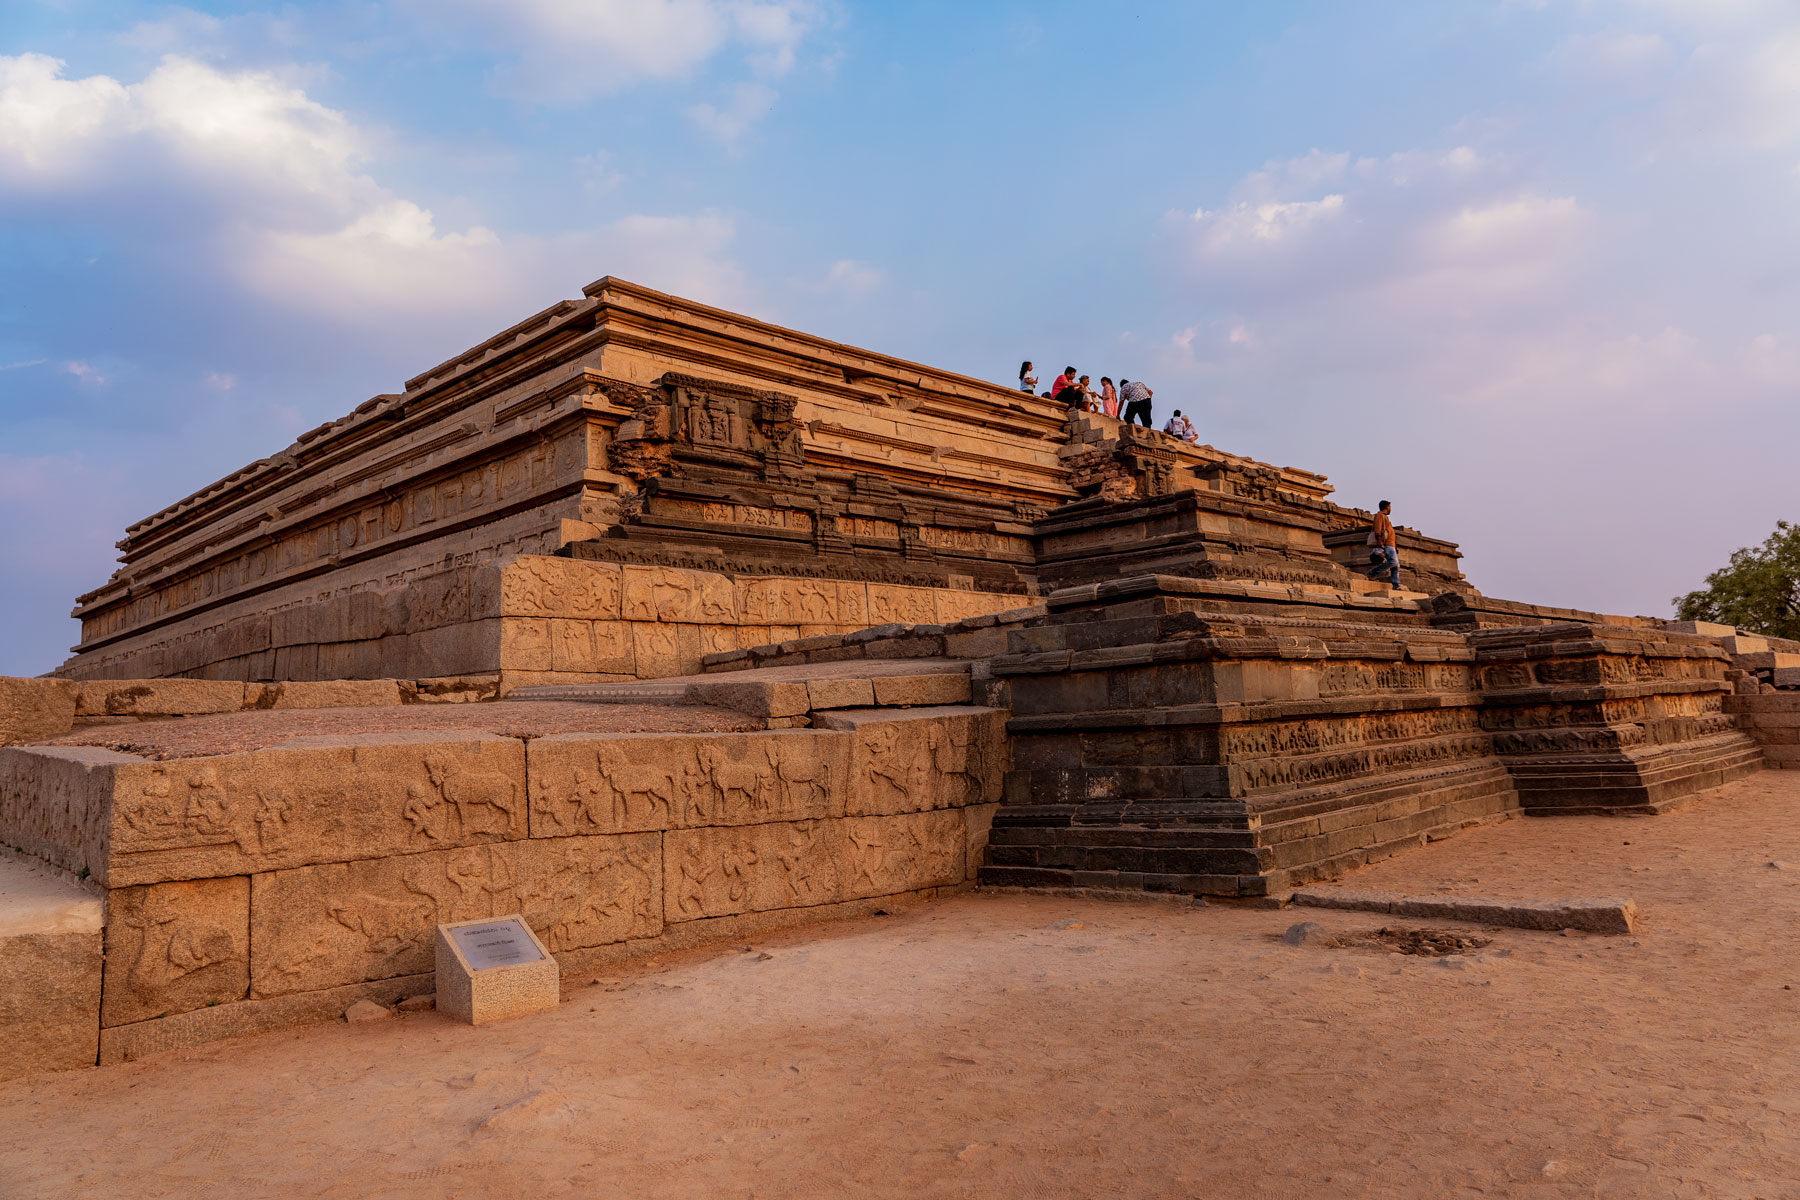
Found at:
<point>256,729</point>
<point>1000,1045</point>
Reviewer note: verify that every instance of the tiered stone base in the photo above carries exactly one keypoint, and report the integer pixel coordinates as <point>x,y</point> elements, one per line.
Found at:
<point>1643,782</point>
<point>1161,743</point>
<point>1178,847</point>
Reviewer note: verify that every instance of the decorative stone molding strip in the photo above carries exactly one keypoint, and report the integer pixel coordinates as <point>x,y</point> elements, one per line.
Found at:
<point>33,710</point>
<point>970,638</point>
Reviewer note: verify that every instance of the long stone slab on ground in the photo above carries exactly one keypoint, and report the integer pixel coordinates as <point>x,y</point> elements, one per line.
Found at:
<point>1608,915</point>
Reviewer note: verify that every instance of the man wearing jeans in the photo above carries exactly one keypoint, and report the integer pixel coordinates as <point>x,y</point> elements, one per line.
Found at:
<point>1385,557</point>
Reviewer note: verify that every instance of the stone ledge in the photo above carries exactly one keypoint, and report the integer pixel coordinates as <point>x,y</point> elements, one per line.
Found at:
<point>1609,915</point>
<point>34,709</point>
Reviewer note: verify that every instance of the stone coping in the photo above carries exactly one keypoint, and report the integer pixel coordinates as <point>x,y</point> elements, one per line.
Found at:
<point>33,709</point>
<point>957,639</point>
<point>38,899</point>
<point>231,733</point>
<point>788,693</point>
<point>1181,585</point>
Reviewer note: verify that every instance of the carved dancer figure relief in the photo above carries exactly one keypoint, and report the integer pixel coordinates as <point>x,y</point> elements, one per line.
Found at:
<point>890,778</point>
<point>815,602</point>
<point>690,894</point>
<point>807,873</point>
<point>734,869</point>
<point>274,813</point>
<point>426,812</point>
<point>868,856</point>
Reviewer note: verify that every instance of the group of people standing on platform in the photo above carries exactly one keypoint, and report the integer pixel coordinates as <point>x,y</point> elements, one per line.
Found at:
<point>1129,402</point>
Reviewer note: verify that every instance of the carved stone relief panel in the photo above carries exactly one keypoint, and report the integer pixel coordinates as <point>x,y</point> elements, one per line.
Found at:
<point>756,868</point>
<point>325,926</point>
<point>540,586</point>
<point>753,868</point>
<point>658,651</point>
<point>913,763</point>
<point>266,809</point>
<point>175,947</point>
<point>585,784</point>
<point>892,602</point>
<point>779,601</point>
<point>671,594</point>
<point>884,855</point>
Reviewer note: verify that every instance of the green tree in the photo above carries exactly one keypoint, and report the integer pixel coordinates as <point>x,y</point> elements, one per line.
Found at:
<point>1758,591</point>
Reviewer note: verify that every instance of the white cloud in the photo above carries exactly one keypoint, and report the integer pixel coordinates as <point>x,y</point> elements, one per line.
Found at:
<point>1709,74</point>
<point>567,51</point>
<point>1519,367</point>
<point>48,124</point>
<point>1225,229</point>
<point>85,373</point>
<point>749,103</point>
<point>1423,232</point>
<point>273,191</point>
<point>597,174</point>
<point>854,278</point>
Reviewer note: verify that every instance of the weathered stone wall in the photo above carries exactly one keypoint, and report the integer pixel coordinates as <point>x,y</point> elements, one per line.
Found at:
<point>1773,719</point>
<point>246,891</point>
<point>534,619</point>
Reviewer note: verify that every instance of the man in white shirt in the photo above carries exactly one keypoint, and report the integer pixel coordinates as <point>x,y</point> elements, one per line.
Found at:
<point>1180,427</point>
<point>1137,401</point>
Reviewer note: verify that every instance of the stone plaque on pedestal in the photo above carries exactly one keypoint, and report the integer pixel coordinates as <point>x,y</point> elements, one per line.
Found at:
<point>492,969</point>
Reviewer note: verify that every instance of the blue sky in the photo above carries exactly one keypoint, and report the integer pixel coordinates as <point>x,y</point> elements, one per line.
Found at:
<point>1527,269</point>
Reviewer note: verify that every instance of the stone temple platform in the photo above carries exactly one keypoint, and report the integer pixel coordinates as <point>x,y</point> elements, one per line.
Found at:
<point>271,866</point>
<point>661,625</point>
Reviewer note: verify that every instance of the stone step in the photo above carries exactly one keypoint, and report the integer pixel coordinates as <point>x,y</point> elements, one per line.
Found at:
<point>1704,628</point>
<point>1768,660</point>
<point>1743,644</point>
<point>1153,859</point>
